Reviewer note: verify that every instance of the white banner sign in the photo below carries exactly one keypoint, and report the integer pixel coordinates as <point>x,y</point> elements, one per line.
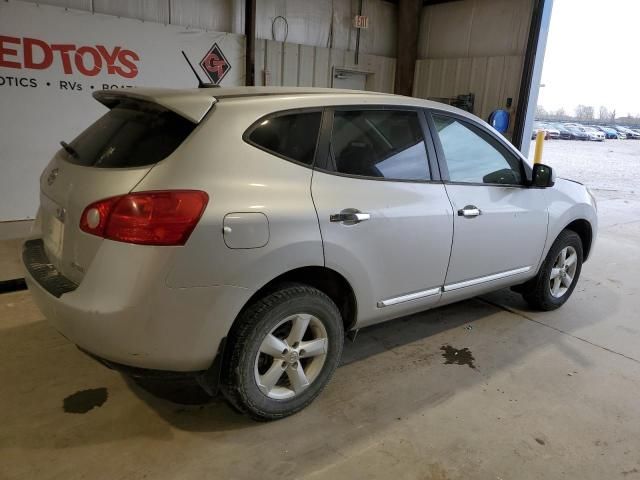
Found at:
<point>51,60</point>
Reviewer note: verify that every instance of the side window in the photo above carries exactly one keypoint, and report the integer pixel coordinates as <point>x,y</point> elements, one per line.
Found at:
<point>473,156</point>
<point>379,143</point>
<point>293,136</point>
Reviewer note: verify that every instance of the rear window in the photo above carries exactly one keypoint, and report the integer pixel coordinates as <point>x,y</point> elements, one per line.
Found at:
<point>293,136</point>
<point>132,134</point>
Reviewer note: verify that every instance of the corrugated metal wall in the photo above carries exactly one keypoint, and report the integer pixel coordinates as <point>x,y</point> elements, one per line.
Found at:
<point>305,59</point>
<point>466,46</point>
<point>290,64</point>
<point>491,79</point>
<point>473,46</point>
<point>319,23</point>
<point>214,15</point>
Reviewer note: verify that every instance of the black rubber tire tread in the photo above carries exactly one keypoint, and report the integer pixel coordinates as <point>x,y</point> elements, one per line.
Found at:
<point>536,291</point>
<point>236,363</point>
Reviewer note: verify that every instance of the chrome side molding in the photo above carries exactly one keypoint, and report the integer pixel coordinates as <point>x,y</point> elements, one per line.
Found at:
<point>408,297</point>
<point>448,288</point>
<point>488,278</point>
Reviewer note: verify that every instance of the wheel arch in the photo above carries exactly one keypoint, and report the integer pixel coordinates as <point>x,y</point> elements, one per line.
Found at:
<point>585,231</point>
<point>328,281</point>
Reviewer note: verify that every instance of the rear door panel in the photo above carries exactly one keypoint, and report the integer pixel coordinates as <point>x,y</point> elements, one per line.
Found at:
<point>396,260</point>
<point>404,247</point>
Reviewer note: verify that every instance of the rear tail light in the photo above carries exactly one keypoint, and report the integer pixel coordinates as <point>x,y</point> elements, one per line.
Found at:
<point>146,218</point>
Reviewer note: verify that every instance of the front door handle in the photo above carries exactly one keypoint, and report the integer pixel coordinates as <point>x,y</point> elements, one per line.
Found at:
<point>350,216</point>
<point>469,211</point>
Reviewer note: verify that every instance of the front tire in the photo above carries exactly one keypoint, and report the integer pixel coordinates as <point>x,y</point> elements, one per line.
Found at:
<point>559,274</point>
<point>282,352</point>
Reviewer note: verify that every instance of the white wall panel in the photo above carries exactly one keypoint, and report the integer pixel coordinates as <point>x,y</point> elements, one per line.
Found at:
<point>273,63</point>
<point>321,68</point>
<point>328,23</point>
<point>319,23</point>
<point>308,21</point>
<point>289,64</point>
<point>75,4</point>
<point>290,60</point>
<point>147,10</point>
<point>204,14</point>
<point>305,66</point>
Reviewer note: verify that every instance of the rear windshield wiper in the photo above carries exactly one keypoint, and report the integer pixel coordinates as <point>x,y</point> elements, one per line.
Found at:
<point>69,149</point>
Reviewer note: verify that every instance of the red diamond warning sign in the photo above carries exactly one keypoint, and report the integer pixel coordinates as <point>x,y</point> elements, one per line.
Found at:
<point>215,64</point>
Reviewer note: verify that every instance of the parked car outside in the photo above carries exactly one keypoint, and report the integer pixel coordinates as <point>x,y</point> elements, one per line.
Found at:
<point>610,133</point>
<point>578,133</point>
<point>536,129</point>
<point>630,134</point>
<point>552,132</point>
<point>233,235</point>
<point>594,134</point>
<point>565,133</point>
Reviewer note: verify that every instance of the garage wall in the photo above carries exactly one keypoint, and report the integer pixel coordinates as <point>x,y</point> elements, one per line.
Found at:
<point>473,46</point>
<point>491,79</point>
<point>319,23</point>
<point>288,64</point>
<point>204,14</point>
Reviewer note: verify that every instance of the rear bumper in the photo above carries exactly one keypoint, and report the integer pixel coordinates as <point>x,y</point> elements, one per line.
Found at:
<point>124,313</point>
<point>208,379</point>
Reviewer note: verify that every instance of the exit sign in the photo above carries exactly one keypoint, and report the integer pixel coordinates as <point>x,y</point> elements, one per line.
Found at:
<point>361,21</point>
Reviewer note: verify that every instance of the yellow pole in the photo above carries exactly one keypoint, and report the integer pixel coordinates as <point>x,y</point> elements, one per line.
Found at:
<point>537,157</point>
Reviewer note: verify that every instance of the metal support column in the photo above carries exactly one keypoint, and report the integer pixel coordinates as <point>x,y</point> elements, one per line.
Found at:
<point>408,31</point>
<point>250,38</point>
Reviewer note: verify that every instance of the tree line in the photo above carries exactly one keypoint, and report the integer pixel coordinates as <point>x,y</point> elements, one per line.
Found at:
<point>586,113</point>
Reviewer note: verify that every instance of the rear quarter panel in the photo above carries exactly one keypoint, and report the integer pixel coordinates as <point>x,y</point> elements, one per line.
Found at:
<point>239,178</point>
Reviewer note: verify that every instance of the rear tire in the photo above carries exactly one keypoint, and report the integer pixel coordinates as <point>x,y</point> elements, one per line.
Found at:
<point>282,352</point>
<point>558,275</point>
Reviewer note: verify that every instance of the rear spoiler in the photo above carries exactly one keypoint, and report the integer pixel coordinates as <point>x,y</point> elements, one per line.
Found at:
<point>191,104</point>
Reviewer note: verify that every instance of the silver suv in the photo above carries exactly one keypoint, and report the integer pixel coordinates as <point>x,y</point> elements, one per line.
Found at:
<point>234,235</point>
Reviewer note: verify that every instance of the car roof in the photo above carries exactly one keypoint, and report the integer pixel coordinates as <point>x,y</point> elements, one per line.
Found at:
<point>194,103</point>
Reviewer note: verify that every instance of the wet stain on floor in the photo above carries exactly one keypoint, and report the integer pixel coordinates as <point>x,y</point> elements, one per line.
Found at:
<point>85,400</point>
<point>454,356</point>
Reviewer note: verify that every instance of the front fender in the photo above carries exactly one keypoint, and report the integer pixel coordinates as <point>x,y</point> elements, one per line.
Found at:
<point>569,201</point>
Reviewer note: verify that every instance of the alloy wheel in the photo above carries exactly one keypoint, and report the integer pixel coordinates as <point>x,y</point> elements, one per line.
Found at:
<point>563,272</point>
<point>291,356</point>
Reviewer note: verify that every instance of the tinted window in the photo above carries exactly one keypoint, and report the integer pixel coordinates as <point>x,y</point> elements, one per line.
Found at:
<point>473,156</point>
<point>132,134</point>
<point>379,143</point>
<point>293,136</point>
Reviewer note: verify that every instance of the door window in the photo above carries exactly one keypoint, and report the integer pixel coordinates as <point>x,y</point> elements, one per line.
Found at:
<point>292,136</point>
<point>473,156</point>
<point>379,143</point>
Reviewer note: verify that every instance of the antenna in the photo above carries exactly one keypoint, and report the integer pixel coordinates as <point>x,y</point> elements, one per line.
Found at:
<point>201,84</point>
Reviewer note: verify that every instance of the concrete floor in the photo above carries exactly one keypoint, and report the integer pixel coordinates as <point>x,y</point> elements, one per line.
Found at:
<point>11,235</point>
<point>552,395</point>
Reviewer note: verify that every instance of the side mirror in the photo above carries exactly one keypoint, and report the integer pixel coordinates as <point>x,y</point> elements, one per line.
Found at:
<point>543,176</point>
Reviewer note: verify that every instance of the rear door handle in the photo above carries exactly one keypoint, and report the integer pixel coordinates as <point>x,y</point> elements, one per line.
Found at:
<point>469,211</point>
<point>350,216</point>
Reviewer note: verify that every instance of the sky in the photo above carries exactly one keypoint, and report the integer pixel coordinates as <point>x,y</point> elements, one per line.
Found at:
<point>593,56</point>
